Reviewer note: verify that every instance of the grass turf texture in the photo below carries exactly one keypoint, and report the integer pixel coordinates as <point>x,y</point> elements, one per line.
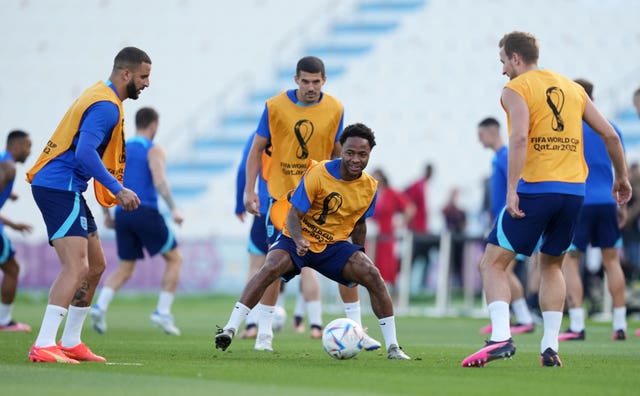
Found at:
<point>143,360</point>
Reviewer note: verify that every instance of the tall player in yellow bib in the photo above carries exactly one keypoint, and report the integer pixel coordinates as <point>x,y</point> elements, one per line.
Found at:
<point>301,124</point>
<point>545,190</point>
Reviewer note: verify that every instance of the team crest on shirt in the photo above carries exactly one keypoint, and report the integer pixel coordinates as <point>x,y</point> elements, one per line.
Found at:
<point>303,131</point>
<point>83,222</point>
<point>331,204</point>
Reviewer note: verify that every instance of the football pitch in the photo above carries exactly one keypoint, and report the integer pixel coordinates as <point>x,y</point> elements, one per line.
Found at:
<point>145,361</point>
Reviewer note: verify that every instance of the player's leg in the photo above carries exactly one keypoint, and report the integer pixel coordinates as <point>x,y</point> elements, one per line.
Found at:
<point>256,261</point>
<point>552,297</point>
<point>523,320</point>
<point>361,270</point>
<point>353,311</point>
<point>277,263</point>
<point>310,287</point>
<point>575,296</point>
<point>162,316</point>
<point>616,283</point>
<point>8,289</point>
<point>70,342</point>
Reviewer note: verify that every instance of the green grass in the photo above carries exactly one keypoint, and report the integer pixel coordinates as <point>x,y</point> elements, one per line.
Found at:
<point>145,361</point>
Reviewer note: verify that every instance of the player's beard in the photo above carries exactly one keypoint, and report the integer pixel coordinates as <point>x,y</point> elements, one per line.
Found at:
<point>132,91</point>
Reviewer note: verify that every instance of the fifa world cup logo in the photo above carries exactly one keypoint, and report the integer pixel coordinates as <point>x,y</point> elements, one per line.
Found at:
<point>331,204</point>
<point>555,101</point>
<point>303,131</point>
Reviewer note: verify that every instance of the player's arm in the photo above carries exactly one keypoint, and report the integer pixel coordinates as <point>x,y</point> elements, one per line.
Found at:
<point>157,164</point>
<point>251,200</point>
<point>295,230</point>
<point>518,111</point>
<point>621,184</point>
<point>98,123</point>
<point>22,227</point>
<point>7,173</point>
<point>337,147</point>
<point>240,180</point>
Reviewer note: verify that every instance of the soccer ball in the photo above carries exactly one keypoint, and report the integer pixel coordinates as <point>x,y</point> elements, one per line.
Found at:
<point>342,338</point>
<point>279,318</point>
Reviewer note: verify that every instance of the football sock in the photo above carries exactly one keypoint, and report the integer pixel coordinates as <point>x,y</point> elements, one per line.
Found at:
<point>105,297</point>
<point>620,318</point>
<point>252,318</point>
<point>73,327</point>
<point>280,300</point>
<point>165,300</point>
<point>53,316</point>
<point>353,312</point>
<point>521,311</point>
<point>265,319</point>
<point>499,314</point>
<point>552,321</point>
<point>314,310</point>
<point>576,319</point>
<point>388,327</point>
<point>5,313</point>
<point>238,314</point>
<point>300,305</point>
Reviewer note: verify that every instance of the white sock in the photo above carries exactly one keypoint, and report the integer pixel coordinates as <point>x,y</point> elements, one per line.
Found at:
<point>576,319</point>
<point>353,312</point>
<point>5,313</point>
<point>300,306</point>
<point>238,315</point>
<point>265,319</point>
<point>388,327</point>
<point>552,321</point>
<point>165,300</point>
<point>314,310</point>
<point>500,317</point>
<point>53,316</point>
<point>105,297</point>
<point>280,300</point>
<point>620,318</point>
<point>252,318</point>
<point>73,327</point>
<point>521,311</point>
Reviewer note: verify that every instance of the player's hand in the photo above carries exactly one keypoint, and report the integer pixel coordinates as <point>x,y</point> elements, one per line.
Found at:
<point>13,196</point>
<point>177,216</point>
<point>302,246</point>
<point>252,203</point>
<point>622,191</point>
<point>513,205</point>
<point>241,216</point>
<point>128,199</point>
<point>109,222</point>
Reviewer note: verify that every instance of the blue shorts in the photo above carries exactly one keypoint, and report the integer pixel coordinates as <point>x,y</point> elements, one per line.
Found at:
<point>550,217</point>
<point>65,213</point>
<point>6,249</point>
<point>597,225</point>
<point>329,262</point>
<point>142,228</point>
<point>258,243</point>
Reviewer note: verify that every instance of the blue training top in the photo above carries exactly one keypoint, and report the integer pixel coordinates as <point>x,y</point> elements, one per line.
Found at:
<point>600,179</point>
<point>499,170</point>
<point>263,193</point>
<point>137,175</point>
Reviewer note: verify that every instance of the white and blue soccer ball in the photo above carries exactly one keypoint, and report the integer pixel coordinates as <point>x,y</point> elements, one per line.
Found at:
<point>342,338</point>
<point>279,318</point>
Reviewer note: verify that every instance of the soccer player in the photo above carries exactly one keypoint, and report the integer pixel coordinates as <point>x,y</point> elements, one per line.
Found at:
<point>489,136</point>
<point>301,125</point>
<point>88,143</point>
<point>144,227</point>
<point>330,204</point>
<point>545,189</point>
<point>599,225</point>
<point>18,149</point>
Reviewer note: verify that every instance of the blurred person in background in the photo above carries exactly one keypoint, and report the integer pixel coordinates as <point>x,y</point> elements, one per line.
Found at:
<point>598,225</point>
<point>144,228</point>
<point>455,220</point>
<point>389,203</point>
<point>17,150</point>
<point>490,137</point>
